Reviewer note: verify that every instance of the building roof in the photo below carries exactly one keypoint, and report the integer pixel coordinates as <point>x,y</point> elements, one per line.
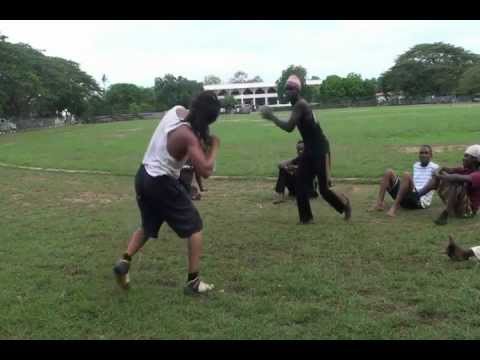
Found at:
<point>251,85</point>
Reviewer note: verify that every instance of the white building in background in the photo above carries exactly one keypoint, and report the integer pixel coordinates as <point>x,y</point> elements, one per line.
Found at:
<point>253,94</point>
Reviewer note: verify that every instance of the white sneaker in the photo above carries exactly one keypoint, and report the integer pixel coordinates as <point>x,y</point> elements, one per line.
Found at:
<point>196,286</point>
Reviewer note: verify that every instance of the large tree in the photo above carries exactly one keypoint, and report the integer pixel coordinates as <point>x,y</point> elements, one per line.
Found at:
<point>469,83</point>
<point>239,77</point>
<point>33,83</point>
<point>429,69</point>
<point>211,80</point>
<point>171,91</point>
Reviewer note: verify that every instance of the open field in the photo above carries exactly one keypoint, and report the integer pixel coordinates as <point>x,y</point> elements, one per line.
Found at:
<point>364,141</point>
<point>373,278</point>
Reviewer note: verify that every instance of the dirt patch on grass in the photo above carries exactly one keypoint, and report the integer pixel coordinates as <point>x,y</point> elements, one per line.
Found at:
<point>94,198</point>
<point>436,148</point>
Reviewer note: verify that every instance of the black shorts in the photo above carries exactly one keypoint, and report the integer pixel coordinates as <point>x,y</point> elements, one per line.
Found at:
<point>411,199</point>
<point>163,198</point>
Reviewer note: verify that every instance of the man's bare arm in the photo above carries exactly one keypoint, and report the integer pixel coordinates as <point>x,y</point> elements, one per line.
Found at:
<point>287,125</point>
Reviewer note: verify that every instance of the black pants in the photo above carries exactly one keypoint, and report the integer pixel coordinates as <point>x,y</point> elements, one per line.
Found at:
<point>308,168</point>
<point>287,180</point>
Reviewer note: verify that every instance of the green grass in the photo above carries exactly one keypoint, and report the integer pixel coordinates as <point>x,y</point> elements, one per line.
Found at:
<point>373,278</point>
<point>364,141</point>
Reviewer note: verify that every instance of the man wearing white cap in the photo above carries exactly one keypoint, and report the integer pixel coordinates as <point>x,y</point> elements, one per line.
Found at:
<point>313,161</point>
<point>459,188</point>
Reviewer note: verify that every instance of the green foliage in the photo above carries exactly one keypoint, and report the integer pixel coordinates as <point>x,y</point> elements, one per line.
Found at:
<point>211,80</point>
<point>429,69</point>
<point>229,103</point>
<point>171,91</point>
<point>470,81</point>
<point>352,87</point>
<point>124,98</point>
<point>33,83</point>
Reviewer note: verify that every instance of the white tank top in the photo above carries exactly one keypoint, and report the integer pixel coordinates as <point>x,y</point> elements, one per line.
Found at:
<point>157,159</point>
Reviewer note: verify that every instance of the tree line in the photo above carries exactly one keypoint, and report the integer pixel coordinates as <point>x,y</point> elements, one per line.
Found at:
<point>33,84</point>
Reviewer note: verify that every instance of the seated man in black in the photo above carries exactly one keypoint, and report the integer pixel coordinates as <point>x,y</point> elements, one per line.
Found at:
<point>286,178</point>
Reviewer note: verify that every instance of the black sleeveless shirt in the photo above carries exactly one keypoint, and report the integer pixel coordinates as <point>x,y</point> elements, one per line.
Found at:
<point>315,141</point>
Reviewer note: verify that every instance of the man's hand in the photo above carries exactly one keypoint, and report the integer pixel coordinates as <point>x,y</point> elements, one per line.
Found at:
<point>266,113</point>
<point>214,141</point>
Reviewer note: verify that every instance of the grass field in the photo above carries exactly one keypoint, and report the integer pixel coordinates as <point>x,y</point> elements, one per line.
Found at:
<point>373,278</point>
<point>364,141</point>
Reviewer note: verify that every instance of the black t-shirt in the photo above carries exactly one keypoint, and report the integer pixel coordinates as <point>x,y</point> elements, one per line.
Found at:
<point>315,141</point>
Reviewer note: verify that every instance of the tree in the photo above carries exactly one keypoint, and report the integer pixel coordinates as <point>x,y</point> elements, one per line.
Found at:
<point>315,78</point>
<point>429,69</point>
<point>332,88</point>
<point>171,91</point>
<point>301,72</point>
<point>469,83</point>
<point>229,103</point>
<point>33,83</point>
<point>211,80</point>
<point>239,77</point>
<point>255,79</point>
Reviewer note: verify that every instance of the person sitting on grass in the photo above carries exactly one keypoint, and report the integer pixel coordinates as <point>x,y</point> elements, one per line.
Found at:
<point>459,188</point>
<point>405,192</point>
<point>286,177</point>
<point>458,253</point>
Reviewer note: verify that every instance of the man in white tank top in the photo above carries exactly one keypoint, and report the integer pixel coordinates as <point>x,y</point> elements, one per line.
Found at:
<point>161,197</point>
<point>405,191</point>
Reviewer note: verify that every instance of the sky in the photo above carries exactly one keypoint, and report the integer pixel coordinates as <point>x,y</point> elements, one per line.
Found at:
<point>138,51</point>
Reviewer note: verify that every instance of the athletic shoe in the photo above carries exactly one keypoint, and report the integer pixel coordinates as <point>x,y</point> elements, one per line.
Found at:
<point>196,286</point>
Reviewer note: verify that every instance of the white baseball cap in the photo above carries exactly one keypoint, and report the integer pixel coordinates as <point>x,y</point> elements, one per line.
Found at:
<point>474,150</point>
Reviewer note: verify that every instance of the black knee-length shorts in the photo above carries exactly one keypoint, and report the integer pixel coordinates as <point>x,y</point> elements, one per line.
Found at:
<point>164,199</point>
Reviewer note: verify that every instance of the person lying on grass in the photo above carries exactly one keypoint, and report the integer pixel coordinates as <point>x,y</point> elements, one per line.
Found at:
<point>405,191</point>
<point>457,253</point>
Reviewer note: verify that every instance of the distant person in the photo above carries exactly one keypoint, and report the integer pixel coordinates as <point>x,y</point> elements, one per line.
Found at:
<point>313,162</point>
<point>459,188</point>
<point>405,192</point>
<point>160,196</point>
<point>286,178</point>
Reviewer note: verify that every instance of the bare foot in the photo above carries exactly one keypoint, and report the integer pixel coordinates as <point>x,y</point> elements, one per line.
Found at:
<point>454,251</point>
<point>377,207</point>
<point>391,212</point>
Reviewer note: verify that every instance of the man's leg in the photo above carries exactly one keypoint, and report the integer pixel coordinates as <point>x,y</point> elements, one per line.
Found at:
<point>387,183</point>
<point>303,178</point>
<point>122,267</point>
<point>194,284</point>
<point>406,186</point>
<point>290,184</point>
<point>280,186</point>
<point>452,202</point>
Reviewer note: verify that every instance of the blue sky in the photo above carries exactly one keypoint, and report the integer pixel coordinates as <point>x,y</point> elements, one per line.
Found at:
<point>138,51</point>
